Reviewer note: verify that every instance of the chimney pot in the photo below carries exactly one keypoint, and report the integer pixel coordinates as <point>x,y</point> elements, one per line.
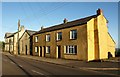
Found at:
<point>65,20</point>
<point>99,12</point>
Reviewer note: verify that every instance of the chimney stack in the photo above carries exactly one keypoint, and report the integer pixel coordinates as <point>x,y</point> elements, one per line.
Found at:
<point>65,20</point>
<point>99,12</point>
<point>42,27</point>
<point>18,25</point>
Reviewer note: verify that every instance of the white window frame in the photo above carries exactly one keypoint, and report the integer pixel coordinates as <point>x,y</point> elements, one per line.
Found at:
<point>36,38</point>
<point>72,36</point>
<point>70,49</point>
<point>47,49</point>
<point>48,37</point>
<point>58,36</point>
<point>36,49</point>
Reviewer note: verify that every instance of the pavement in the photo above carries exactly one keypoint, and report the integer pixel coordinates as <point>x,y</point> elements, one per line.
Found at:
<point>107,66</point>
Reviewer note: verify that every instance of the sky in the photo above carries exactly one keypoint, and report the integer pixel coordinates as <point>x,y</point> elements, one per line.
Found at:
<point>33,15</point>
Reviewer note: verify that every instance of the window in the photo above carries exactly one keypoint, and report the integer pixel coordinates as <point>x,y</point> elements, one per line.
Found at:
<point>36,38</point>
<point>36,49</point>
<point>71,49</point>
<point>59,36</point>
<point>73,34</point>
<point>48,49</point>
<point>48,37</point>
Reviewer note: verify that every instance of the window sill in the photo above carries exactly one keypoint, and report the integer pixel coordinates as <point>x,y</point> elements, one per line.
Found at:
<point>73,39</point>
<point>70,53</point>
<point>58,40</point>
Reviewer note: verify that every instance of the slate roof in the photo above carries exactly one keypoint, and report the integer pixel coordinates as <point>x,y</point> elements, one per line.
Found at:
<point>8,34</point>
<point>67,25</point>
<point>30,32</point>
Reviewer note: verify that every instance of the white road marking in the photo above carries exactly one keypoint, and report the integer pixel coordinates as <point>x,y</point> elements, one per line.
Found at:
<point>37,72</point>
<point>20,65</point>
<point>12,62</point>
<point>102,68</point>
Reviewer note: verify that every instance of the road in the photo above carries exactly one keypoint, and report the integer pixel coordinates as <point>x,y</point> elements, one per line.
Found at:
<point>19,66</point>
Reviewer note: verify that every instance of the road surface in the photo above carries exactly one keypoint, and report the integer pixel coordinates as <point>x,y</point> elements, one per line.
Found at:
<point>15,66</point>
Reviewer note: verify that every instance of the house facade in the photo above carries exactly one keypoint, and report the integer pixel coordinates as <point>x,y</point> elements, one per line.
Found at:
<point>83,39</point>
<point>26,42</point>
<point>11,40</point>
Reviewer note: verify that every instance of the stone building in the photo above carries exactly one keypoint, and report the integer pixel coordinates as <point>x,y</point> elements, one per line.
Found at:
<point>82,39</point>
<point>11,40</point>
<point>26,42</point>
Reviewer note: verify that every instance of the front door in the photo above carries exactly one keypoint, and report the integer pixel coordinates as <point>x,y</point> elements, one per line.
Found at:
<point>44,51</point>
<point>58,50</point>
<point>26,49</point>
<point>40,51</point>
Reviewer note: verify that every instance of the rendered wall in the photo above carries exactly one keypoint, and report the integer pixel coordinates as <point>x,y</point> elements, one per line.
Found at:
<point>90,39</point>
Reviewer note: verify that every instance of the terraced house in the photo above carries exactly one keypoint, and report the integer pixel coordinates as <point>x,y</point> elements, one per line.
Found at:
<point>82,39</point>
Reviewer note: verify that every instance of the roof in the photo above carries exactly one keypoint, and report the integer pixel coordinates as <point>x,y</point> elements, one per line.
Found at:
<point>8,34</point>
<point>111,37</point>
<point>12,34</point>
<point>67,25</point>
<point>30,32</point>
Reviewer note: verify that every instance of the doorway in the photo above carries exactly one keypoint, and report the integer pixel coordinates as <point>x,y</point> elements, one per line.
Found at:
<point>58,50</point>
<point>26,49</point>
<point>40,51</point>
<point>44,50</point>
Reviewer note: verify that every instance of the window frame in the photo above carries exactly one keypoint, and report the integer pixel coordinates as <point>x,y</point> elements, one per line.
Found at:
<point>36,39</point>
<point>47,50</point>
<point>71,49</point>
<point>36,49</point>
<point>47,37</point>
<point>59,36</point>
<point>73,34</point>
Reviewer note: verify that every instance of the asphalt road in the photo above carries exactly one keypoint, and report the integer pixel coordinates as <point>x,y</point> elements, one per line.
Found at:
<point>17,66</point>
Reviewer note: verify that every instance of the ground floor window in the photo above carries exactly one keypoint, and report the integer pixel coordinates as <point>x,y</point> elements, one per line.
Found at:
<point>71,49</point>
<point>36,49</point>
<point>48,49</point>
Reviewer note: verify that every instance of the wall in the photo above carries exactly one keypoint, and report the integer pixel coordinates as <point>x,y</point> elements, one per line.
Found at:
<point>25,41</point>
<point>111,45</point>
<point>102,35</point>
<point>81,43</point>
<point>90,40</point>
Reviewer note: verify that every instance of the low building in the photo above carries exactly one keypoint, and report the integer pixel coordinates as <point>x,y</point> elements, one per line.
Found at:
<point>83,39</point>
<point>26,42</point>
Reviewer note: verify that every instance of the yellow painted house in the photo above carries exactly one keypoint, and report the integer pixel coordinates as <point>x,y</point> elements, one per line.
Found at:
<point>83,39</point>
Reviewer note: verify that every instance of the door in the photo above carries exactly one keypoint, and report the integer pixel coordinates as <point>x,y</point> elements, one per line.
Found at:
<point>58,50</point>
<point>40,51</point>
<point>44,50</point>
<point>26,49</point>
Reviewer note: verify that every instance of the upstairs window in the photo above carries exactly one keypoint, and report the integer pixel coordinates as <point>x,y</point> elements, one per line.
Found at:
<point>73,34</point>
<point>48,37</point>
<point>59,36</point>
<point>48,49</point>
<point>36,38</point>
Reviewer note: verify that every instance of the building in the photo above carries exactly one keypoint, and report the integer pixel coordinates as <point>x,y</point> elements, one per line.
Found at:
<point>8,42</point>
<point>26,42</point>
<point>83,39</point>
<point>11,40</point>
